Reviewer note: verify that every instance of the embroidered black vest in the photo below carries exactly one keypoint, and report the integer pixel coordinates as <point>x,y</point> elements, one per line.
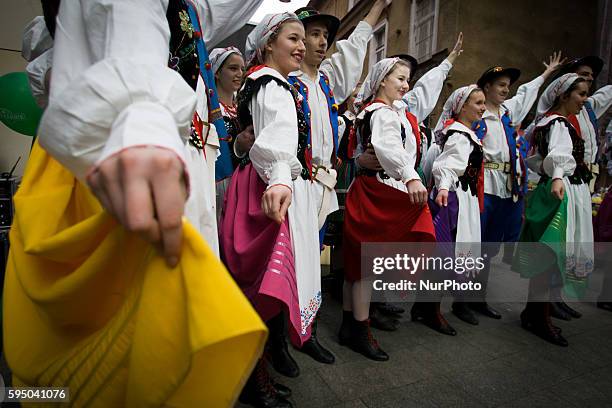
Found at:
<point>469,179</point>
<point>250,88</point>
<point>581,174</point>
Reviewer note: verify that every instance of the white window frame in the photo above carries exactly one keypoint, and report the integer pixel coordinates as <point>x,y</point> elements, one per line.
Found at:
<point>434,40</point>
<point>373,46</point>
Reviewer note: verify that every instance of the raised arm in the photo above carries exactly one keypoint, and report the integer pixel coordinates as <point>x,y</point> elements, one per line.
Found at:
<point>526,95</point>
<point>221,18</point>
<point>422,99</point>
<point>344,67</point>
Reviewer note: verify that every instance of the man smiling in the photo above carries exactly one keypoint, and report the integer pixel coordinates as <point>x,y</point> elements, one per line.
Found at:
<point>504,172</point>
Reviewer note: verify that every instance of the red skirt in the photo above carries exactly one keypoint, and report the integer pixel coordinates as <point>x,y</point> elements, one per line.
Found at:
<point>376,212</point>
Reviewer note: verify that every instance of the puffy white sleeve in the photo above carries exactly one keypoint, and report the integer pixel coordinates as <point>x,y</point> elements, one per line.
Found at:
<point>396,159</point>
<point>276,135</point>
<point>111,87</point>
<point>559,161</point>
<point>220,18</point>
<point>601,100</point>
<point>344,67</point>
<point>36,39</point>
<point>37,77</point>
<point>422,99</point>
<point>525,97</point>
<point>452,161</point>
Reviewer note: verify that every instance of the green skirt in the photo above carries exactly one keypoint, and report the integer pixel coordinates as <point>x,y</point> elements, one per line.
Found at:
<point>545,222</point>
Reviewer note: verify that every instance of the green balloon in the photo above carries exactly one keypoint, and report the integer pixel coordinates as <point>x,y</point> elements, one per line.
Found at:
<point>18,109</point>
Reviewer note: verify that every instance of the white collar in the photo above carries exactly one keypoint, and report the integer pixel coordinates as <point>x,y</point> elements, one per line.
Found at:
<point>267,71</point>
<point>456,125</point>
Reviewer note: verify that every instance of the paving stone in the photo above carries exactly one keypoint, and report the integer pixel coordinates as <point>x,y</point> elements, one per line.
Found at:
<point>434,392</point>
<point>541,399</point>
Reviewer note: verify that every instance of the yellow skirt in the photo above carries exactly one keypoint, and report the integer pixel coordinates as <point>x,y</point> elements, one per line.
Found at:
<point>92,307</point>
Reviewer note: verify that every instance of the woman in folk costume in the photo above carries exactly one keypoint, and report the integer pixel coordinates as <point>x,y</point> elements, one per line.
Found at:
<point>107,315</point>
<point>228,67</point>
<point>586,123</point>
<point>381,206</point>
<point>269,230</point>
<point>558,214</point>
<point>456,199</point>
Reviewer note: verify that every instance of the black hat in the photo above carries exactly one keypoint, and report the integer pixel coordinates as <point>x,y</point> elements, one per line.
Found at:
<point>308,15</point>
<point>495,72</point>
<point>592,61</point>
<point>409,59</point>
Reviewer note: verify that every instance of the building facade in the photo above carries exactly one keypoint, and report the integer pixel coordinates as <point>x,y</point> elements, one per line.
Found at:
<point>521,34</point>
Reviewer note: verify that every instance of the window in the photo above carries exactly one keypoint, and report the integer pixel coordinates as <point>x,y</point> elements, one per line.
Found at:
<point>378,45</point>
<point>423,28</point>
<point>351,3</point>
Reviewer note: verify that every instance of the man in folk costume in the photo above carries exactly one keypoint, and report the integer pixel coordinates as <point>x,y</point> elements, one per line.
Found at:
<point>323,83</point>
<point>110,172</point>
<point>505,170</point>
<point>586,124</point>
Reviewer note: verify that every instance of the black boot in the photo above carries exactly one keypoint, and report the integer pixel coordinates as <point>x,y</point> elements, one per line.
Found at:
<point>536,319</point>
<point>388,309</point>
<point>363,342</point>
<point>282,390</point>
<point>463,312</point>
<point>346,327</point>
<point>485,309</point>
<point>314,349</point>
<point>605,306</point>
<point>429,314</point>
<point>278,349</point>
<point>558,312</point>
<point>382,322</point>
<point>260,392</point>
<point>567,309</point>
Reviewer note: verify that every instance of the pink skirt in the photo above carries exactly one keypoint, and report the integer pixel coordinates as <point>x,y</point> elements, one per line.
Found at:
<point>258,252</point>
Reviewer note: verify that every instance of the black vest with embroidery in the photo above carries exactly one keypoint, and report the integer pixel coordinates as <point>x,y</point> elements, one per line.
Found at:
<point>250,88</point>
<point>581,174</point>
<point>183,52</point>
<point>365,131</point>
<point>469,178</point>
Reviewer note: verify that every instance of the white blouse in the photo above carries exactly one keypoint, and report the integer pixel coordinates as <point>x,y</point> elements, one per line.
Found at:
<point>276,132</point>
<point>559,161</point>
<point>397,158</point>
